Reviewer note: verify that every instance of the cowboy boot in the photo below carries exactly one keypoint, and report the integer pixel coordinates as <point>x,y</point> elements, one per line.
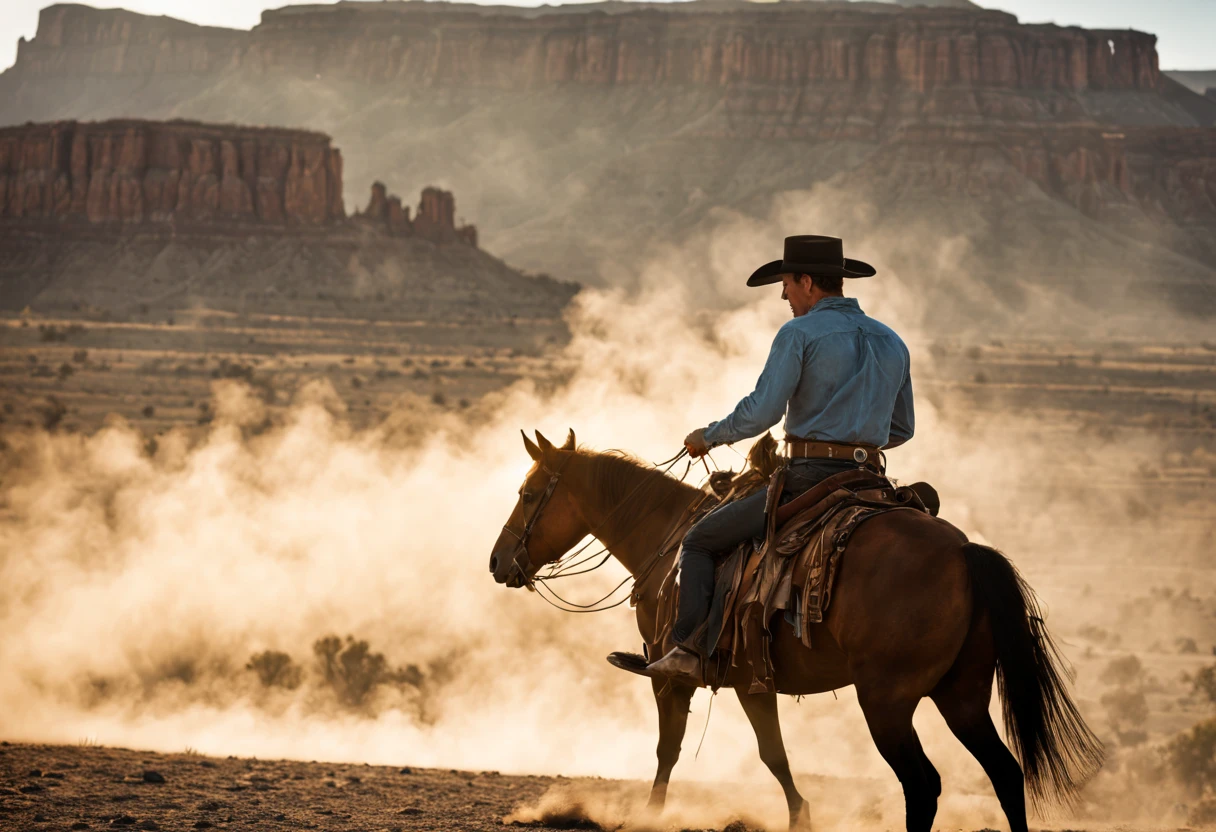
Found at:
<point>680,664</point>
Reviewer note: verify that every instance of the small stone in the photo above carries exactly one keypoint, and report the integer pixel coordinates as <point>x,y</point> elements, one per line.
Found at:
<point>406,770</point>
<point>32,788</point>
<point>54,775</point>
<point>280,817</point>
<point>40,818</point>
<point>203,824</point>
<point>35,772</point>
<point>411,810</point>
<point>153,777</point>
<point>123,820</point>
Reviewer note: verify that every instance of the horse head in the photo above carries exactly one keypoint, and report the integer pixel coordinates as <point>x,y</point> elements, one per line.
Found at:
<point>545,523</point>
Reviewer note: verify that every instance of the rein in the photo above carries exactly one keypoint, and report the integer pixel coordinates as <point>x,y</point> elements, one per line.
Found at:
<point>522,563</point>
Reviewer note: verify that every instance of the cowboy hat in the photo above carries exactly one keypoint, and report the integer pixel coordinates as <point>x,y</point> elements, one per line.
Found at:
<point>813,255</point>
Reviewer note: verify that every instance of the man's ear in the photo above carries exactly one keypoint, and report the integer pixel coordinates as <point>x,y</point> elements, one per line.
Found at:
<point>569,446</point>
<point>533,451</point>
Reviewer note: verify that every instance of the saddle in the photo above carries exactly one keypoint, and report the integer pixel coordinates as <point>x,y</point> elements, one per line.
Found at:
<point>792,570</point>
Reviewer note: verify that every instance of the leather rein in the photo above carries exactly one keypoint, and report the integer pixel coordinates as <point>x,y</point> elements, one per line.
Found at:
<point>521,563</point>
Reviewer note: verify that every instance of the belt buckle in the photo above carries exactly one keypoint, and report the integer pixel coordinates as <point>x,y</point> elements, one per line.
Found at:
<point>860,455</point>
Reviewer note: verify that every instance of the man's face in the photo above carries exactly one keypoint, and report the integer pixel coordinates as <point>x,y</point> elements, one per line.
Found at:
<point>799,291</point>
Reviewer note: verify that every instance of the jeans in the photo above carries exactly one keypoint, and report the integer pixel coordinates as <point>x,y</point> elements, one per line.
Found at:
<point>719,532</point>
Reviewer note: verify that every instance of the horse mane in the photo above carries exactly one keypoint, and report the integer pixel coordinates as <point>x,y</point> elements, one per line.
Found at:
<point>620,475</point>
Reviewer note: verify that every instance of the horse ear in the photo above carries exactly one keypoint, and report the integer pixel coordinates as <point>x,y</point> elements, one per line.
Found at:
<point>533,451</point>
<point>546,447</point>
<point>569,446</point>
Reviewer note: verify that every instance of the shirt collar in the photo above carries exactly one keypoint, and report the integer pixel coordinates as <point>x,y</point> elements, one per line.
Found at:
<point>839,304</point>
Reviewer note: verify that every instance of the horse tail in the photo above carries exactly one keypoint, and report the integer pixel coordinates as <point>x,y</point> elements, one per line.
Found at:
<point>1058,751</point>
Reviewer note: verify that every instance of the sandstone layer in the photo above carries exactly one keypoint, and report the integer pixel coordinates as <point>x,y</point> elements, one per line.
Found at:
<point>587,140</point>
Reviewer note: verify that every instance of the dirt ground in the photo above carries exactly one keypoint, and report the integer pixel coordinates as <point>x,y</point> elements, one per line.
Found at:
<point>82,787</point>
<point>48,787</point>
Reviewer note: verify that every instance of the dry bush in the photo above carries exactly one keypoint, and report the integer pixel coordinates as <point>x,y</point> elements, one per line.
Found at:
<point>1204,685</point>
<point>1192,757</point>
<point>354,671</point>
<point>276,669</point>
<point>1124,672</point>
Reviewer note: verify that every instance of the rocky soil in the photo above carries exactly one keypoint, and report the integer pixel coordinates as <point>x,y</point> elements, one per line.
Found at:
<point>83,787</point>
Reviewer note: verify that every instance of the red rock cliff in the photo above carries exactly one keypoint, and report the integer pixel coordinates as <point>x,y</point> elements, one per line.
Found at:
<point>703,44</point>
<point>185,172</point>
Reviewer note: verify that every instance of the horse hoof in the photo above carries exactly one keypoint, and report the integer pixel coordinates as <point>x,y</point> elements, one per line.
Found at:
<point>800,821</point>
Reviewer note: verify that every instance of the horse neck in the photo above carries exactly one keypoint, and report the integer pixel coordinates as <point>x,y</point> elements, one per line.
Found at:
<point>632,524</point>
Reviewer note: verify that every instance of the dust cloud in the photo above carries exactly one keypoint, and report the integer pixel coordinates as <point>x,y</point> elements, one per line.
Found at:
<point>178,597</point>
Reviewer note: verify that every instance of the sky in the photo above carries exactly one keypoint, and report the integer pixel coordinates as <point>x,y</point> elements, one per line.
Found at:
<point>1186,28</point>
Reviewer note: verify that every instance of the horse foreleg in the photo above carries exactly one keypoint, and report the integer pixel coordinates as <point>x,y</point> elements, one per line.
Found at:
<point>761,710</point>
<point>673,701</point>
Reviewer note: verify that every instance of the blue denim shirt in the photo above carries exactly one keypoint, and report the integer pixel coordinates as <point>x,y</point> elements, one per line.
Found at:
<point>836,375</point>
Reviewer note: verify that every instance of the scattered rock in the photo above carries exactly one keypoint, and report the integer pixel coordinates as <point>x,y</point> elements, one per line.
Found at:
<point>280,817</point>
<point>123,820</point>
<point>35,772</point>
<point>32,788</point>
<point>410,810</point>
<point>406,770</point>
<point>153,777</point>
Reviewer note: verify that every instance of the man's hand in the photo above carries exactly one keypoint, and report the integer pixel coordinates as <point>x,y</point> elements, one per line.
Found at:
<point>696,444</point>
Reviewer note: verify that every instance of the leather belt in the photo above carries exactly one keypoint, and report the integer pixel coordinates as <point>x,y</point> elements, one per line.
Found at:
<point>868,456</point>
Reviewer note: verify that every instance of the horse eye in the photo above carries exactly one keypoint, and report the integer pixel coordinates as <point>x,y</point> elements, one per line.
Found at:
<point>527,496</point>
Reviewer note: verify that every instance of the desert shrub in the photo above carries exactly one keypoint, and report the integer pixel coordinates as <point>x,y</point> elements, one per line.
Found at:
<point>80,356</point>
<point>50,333</point>
<point>354,671</point>
<point>65,370</point>
<point>233,369</point>
<point>974,353</point>
<point>149,411</point>
<point>438,399</point>
<point>1204,685</point>
<point>1128,711</point>
<point>52,413</point>
<point>1123,672</point>
<point>1192,757</point>
<point>275,669</point>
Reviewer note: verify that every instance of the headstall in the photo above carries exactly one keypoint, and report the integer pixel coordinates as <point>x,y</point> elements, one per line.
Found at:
<point>522,562</point>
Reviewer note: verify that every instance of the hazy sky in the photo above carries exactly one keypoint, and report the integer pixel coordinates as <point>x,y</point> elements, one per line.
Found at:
<point>1186,28</point>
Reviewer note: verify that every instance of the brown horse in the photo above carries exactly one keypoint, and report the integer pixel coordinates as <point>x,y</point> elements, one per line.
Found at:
<point>917,611</point>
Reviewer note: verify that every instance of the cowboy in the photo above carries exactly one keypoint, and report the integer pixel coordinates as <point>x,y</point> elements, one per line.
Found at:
<point>842,381</point>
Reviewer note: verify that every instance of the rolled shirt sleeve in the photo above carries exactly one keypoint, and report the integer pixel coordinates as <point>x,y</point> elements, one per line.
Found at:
<point>903,419</point>
<point>765,406</point>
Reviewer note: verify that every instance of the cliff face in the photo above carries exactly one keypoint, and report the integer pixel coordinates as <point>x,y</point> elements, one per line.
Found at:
<point>700,44</point>
<point>186,173</point>
<point>192,176</point>
<point>582,137</point>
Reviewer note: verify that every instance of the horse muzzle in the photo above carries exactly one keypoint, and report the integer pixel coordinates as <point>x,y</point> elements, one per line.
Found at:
<point>508,563</point>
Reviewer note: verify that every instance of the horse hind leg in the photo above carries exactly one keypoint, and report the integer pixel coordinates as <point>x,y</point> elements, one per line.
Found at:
<point>673,700</point>
<point>761,710</point>
<point>962,697</point>
<point>890,723</point>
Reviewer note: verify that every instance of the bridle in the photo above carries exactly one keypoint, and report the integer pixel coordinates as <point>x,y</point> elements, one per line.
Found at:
<point>522,561</point>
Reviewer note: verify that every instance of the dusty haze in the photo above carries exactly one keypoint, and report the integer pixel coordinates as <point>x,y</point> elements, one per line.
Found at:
<point>134,588</point>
